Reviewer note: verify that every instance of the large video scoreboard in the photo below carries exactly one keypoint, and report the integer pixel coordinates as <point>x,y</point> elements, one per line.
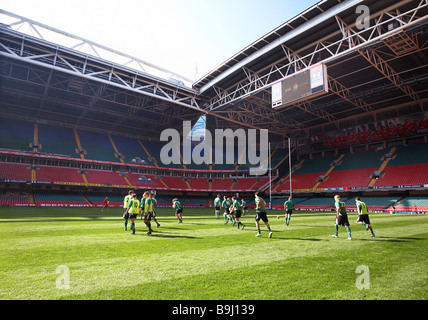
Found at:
<point>299,86</point>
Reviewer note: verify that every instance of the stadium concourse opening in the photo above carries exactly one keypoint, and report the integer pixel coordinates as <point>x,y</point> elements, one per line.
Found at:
<point>65,137</point>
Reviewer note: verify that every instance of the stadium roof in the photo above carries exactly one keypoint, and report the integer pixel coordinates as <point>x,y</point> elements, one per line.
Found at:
<point>375,71</point>
<point>257,51</point>
<point>389,55</point>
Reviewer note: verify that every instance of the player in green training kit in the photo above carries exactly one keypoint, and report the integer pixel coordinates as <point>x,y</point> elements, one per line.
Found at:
<point>133,210</point>
<point>235,210</point>
<point>178,209</point>
<point>126,200</point>
<point>148,212</point>
<point>341,217</point>
<point>288,206</point>
<point>143,203</point>
<point>217,205</point>
<point>150,202</point>
<point>261,215</point>
<point>363,215</point>
<point>226,205</point>
<point>231,214</point>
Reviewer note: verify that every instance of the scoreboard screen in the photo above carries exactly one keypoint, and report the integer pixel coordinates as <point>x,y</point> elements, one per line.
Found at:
<point>299,86</point>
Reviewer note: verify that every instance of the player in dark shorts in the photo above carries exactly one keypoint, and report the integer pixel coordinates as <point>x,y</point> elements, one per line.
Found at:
<point>217,204</point>
<point>236,209</point>
<point>178,209</point>
<point>363,215</point>
<point>126,200</point>
<point>261,214</point>
<point>133,210</point>
<point>341,218</point>
<point>226,204</point>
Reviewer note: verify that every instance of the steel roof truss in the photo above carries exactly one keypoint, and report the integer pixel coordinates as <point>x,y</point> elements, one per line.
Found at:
<point>330,49</point>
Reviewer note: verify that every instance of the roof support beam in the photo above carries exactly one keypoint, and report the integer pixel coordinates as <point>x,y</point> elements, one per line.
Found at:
<point>383,67</point>
<point>292,34</point>
<point>328,47</point>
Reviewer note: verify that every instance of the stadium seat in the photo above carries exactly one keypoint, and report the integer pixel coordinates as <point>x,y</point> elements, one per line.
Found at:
<point>55,199</point>
<point>411,174</point>
<point>175,183</point>
<point>105,178</point>
<point>199,183</point>
<point>131,149</point>
<point>146,181</point>
<point>97,146</point>
<point>13,199</point>
<point>97,199</point>
<point>222,184</point>
<point>412,204</point>
<point>16,134</point>
<point>14,171</point>
<point>347,178</point>
<point>244,184</point>
<point>58,174</point>
<point>299,182</point>
<point>57,140</point>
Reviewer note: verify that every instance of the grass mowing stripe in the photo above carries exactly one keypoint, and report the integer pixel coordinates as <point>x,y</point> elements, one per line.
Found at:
<point>189,264</point>
<point>193,260</point>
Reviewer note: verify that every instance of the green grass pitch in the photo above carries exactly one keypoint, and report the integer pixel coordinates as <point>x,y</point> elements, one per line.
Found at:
<point>82,253</point>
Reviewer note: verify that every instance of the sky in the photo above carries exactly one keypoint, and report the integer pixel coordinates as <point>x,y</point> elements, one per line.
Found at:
<point>189,37</point>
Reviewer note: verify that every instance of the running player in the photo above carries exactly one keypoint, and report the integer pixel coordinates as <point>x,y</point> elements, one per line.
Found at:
<point>261,214</point>
<point>288,206</point>
<point>148,212</point>
<point>178,209</point>
<point>133,210</point>
<point>230,214</point>
<point>341,217</point>
<point>235,210</point>
<point>105,204</point>
<point>363,215</point>
<point>143,204</point>
<point>226,204</point>
<point>126,200</point>
<point>217,205</point>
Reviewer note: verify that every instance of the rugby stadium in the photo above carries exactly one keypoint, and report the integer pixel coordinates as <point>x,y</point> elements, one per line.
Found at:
<point>341,90</point>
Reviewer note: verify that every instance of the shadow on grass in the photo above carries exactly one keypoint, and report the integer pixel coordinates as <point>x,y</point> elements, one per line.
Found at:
<point>373,239</point>
<point>160,234</point>
<point>392,239</point>
<point>300,239</point>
